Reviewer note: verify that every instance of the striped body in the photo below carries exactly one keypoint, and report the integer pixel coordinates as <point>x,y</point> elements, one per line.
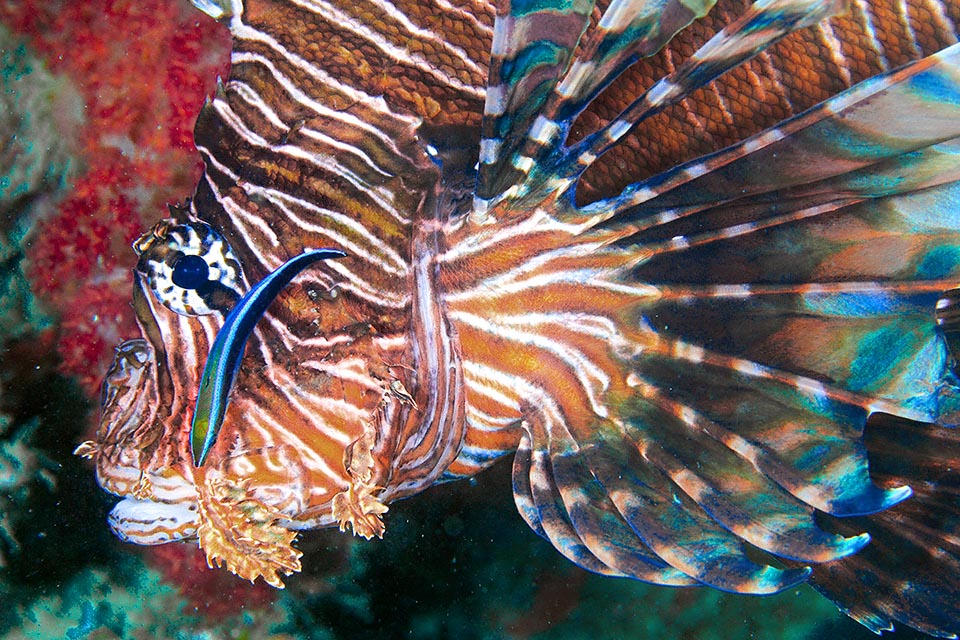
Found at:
<point>676,293</point>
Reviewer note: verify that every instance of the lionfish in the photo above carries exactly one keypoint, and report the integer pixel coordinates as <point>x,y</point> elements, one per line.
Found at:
<point>694,266</point>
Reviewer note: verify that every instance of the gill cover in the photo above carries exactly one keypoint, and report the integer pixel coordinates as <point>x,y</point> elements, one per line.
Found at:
<point>227,351</point>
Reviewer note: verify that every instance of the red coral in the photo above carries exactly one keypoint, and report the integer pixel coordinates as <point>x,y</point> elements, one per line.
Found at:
<point>88,236</point>
<point>211,592</point>
<point>144,68</point>
<point>90,329</point>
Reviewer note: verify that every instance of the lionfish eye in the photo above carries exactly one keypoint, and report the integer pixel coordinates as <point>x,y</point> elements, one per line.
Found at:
<point>191,272</point>
<point>189,267</point>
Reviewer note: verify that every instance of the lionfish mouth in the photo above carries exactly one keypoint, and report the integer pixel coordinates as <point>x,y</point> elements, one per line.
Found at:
<point>153,508</point>
<point>151,522</point>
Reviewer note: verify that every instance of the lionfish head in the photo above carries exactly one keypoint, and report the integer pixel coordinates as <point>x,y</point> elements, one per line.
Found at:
<point>137,449</point>
<point>289,450</point>
<point>273,389</point>
<point>159,502</point>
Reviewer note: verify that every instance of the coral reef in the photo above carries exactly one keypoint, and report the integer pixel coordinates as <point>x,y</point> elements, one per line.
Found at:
<point>142,71</point>
<point>107,604</point>
<point>185,567</point>
<point>39,111</point>
<point>39,115</point>
<point>36,108</point>
<point>21,468</point>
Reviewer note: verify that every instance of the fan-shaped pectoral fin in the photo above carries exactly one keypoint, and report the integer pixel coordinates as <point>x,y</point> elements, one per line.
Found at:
<point>241,532</point>
<point>660,493</point>
<point>606,508</point>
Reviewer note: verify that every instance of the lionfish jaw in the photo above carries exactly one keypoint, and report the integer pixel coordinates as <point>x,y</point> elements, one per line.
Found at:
<point>226,353</point>
<point>150,522</point>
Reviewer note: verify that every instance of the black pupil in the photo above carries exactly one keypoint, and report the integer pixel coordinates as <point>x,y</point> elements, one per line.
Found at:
<point>190,272</point>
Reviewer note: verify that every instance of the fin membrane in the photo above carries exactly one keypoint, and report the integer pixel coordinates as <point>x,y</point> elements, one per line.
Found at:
<point>908,573</point>
<point>799,270</point>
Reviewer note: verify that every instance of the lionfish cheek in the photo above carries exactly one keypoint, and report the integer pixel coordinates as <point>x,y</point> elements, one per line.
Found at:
<point>150,523</point>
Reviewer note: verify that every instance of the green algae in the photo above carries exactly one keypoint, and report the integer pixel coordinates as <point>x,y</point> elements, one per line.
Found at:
<point>39,114</point>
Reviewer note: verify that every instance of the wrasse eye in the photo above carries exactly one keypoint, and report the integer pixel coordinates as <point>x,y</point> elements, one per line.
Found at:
<point>189,267</point>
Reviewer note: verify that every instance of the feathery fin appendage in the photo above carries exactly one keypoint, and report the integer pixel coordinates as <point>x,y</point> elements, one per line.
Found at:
<point>522,490</point>
<point>599,524</point>
<point>665,497</point>
<point>698,457</point>
<point>531,49</point>
<point>557,86</point>
<point>677,529</point>
<point>800,433</point>
<point>766,22</point>
<point>568,497</point>
<point>554,519</point>
<point>627,31</point>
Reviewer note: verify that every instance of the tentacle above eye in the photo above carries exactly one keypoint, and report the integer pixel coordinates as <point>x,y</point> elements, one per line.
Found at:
<point>227,350</point>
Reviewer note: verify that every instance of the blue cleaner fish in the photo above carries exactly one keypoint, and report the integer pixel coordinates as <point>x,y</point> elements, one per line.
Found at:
<point>694,265</point>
